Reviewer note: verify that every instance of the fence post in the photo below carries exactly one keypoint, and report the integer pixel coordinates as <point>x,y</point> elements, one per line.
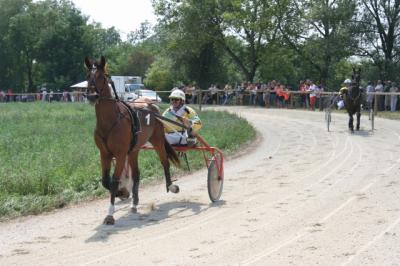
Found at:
<point>200,99</point>
<point>376,104</point>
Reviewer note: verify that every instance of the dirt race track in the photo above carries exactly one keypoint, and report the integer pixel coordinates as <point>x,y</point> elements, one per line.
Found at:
<point>299,196</point>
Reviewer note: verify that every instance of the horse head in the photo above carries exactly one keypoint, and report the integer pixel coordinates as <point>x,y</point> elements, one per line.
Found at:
<point>355,83</point>
<point>97,80</point>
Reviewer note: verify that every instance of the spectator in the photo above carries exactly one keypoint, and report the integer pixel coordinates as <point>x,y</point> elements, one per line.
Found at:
<point>51,95</point>
<point>370,98</point>
<point>312,89</point>
<point>303,94</point>
<point>194,90</point>
<point>386,88</point>
<point>320,99</point>
<point>266,90</point>
<point>272,93</point>
<point>239,93</point>
<point>393,98</point>
<point>44,95</point>
<point>2,96</point>
<point>64,96</point>
<point>280,98</point>
<point>380,98</point>
<point>10,95</point>
<point>227,94</point>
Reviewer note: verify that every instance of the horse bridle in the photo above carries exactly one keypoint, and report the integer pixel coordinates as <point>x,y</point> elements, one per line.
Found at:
<point>92,84</point>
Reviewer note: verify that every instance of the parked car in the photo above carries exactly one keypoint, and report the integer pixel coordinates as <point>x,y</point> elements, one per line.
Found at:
<point>152,95</point>
<point>130,91</point>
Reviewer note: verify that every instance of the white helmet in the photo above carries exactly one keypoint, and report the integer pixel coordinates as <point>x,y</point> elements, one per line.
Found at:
<point>347,81</point>
<point>178,94</point>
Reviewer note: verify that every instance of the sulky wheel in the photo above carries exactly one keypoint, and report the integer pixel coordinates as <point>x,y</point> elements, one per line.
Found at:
<point>328,118</point>
<point>214,182</point>
<point>372,118</point>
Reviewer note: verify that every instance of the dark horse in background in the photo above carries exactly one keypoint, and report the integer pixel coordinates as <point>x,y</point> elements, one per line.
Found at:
<point>121,130</point>
<point>353,99</point>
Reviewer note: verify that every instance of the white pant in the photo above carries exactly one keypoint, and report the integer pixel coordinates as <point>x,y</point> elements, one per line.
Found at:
<point>177,138</point>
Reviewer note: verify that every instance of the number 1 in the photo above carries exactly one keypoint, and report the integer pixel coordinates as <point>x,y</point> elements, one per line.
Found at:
<point>148,119</point>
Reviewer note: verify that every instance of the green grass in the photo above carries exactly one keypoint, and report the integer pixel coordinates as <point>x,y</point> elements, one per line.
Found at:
<point>48,158</point>
<point>389,115</point>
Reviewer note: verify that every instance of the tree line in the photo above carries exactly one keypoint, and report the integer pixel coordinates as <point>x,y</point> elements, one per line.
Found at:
<point>203,42</point>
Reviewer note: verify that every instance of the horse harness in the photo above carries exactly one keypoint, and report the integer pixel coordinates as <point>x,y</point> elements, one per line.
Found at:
<point>135,125</point>
<point>133,113</point>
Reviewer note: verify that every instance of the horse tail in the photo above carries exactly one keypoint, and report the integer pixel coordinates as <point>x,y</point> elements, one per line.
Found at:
<point>171,154</point>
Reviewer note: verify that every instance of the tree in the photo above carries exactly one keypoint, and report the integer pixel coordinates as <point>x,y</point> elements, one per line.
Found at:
<point>199,25</point>
<point>49,39</point>
<point>319,31</point>
<point>11,64</point>
<point>159,76</point>
<point>379,33</point>
<point>141,34</point>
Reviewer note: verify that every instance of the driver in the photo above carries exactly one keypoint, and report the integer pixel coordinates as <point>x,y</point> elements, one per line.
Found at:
<point>342,91</point>
<point>345,88</point>
<point>181,113</point>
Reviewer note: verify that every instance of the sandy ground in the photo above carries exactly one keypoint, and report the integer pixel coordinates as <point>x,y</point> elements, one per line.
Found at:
<point>300,196</point>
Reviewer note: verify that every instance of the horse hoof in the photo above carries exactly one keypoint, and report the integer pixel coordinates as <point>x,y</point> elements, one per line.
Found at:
<point>109,220</point>
<point>134,209</point>
<point>173,188</point>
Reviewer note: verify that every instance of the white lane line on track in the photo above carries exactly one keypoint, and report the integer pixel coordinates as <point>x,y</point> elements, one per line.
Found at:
<point>202,222</point>
<point>316,169</point>
<point>205,220</point>
<point>171,230</point>
<point>389,228</point>
<point>302,233</point>
<point>373,241</point>
<point>298,236</point>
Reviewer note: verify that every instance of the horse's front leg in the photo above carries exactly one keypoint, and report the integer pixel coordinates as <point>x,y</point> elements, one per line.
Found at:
<point>358,120</point>
<point>351,126</point>
<point>105,168</point>
<point>119,167</point>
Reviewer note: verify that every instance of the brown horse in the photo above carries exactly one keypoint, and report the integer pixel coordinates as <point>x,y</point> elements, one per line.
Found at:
<point>119,135</point>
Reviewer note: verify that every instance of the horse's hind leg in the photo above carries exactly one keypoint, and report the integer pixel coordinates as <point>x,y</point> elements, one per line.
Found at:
<point>133,161</point>
<point>358,120</point>
<point>158,144</point>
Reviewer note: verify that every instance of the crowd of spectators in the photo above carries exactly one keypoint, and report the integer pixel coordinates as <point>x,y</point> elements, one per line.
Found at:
<point>270,94</point>
<point>308,95</point>
<point>44,95</point>
<point>384,102</point>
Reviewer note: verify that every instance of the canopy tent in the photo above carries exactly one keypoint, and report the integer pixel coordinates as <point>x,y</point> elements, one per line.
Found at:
<point>82,84</point>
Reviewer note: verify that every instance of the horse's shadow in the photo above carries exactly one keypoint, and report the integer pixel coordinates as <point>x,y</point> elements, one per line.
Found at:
<point>156,215</point>
<point>362,133</point>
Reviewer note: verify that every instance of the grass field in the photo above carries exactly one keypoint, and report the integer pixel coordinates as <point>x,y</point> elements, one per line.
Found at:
<point>48,158</point>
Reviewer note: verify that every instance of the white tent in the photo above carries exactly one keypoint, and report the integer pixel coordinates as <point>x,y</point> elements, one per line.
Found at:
<point>82,84</point>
